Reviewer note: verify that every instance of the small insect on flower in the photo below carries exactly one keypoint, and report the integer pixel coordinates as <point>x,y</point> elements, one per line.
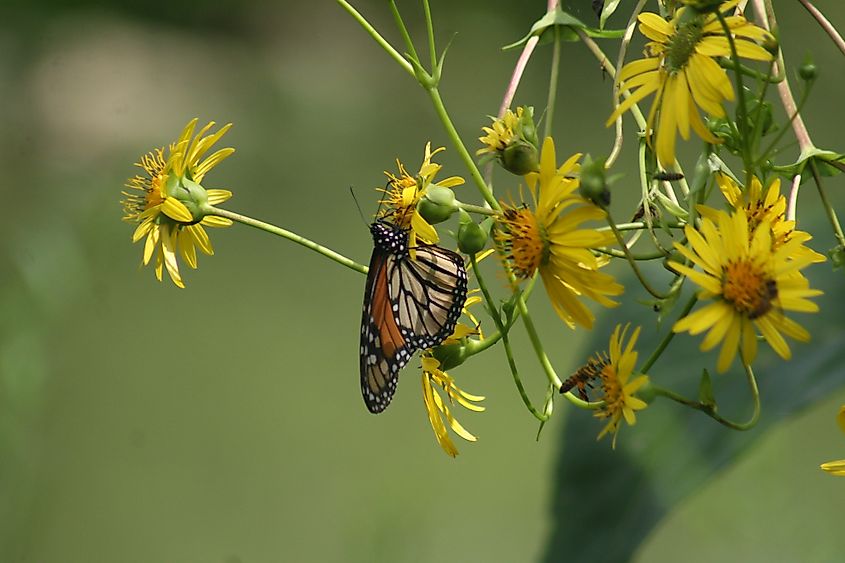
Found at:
<point>668,176</point>
<point>410,303</point>
<point>586,375</point>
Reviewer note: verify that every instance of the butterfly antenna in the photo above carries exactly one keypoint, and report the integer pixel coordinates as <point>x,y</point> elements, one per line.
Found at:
<point>355,199</point>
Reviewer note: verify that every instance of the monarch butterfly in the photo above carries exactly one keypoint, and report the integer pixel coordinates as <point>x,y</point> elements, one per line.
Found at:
<point>410,303</point>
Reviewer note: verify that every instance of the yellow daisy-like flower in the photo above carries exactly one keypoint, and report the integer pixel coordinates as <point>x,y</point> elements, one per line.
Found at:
<point>437,409</point>
<point>617,387</point>
<point>681,71</point>
<point>548,238</point>
<point>502,132</point>
<point>763,205</point>
<point>837,467</point>
<point>403,194</point>
<point>167,207</point>
<point>750,283</point>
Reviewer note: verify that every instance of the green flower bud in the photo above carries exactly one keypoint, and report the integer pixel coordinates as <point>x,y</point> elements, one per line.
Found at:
<point>437,205</point>
<point>770,44</point>
<point>450,355</point>
<point>472,238</point>
<point>520,158</point>
<point>808,71</point>
<point>192,195</point>
<point>527,130</point>
<point>646,392</point>
<point>594,185</point>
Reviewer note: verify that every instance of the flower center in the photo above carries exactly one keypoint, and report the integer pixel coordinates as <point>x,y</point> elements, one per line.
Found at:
<point>614,397</point>
<point>526,242</point>
<point>750,290</point>
<point>688,33</point>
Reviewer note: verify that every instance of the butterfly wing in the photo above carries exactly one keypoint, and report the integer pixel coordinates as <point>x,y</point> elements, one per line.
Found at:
<point>384,350</point>
<point>409,304</point>
<point>430,292</point>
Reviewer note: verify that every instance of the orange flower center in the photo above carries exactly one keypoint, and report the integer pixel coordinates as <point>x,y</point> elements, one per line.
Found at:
<point>749,289</point>
<point>524,240</point>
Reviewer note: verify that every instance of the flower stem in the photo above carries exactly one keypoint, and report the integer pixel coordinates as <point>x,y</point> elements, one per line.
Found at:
<point>831,213</point>
<point>668,338</point>
<point>741,108</point>
<point>299,239</point>
<point>631,260</point>
<point>477,209</point>
<point>404,31</point>
<point>710,409</point>
<point>503,334</point>
<point>371,31</point>
<point>466,157</point>
<point>553,78</point>
<point>825,25</point>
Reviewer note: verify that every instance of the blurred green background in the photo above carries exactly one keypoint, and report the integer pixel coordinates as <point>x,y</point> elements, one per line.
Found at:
<point>223,423</point>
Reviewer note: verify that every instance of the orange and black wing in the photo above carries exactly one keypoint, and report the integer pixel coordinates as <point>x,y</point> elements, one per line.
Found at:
<point>384,350</point>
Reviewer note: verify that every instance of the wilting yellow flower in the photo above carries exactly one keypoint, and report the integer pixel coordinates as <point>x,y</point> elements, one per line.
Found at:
<point>166,209</point>
<point>763,205</point>
<point>437,409</point>
<point>502,132</point>
<point>681,70</point>
<point>750,283</point>
<point>403,194</point>
<point>617,387</point>
<point>837,467</point>
<point>548,238</point>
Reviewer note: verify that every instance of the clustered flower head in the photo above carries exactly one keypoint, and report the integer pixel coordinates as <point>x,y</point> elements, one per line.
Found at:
<point>548,237</point>
<point>749,284</point>
<point>681,70</point>
<point>512,140</point>
<point>617,388</point>
<point>404,193</point>
<point>169,206</point>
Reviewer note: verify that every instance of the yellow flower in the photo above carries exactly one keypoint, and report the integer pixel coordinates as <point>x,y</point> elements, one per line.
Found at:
<point>167,207</point>
<point>436,407</point>
<point>680,68</point>
<point>750,283</point>
<point>837,467</point>
<point>548,239</point>
<point>502,132</point>
<point>617,387</point>
<point>403,194</point>
<point>763,205</point>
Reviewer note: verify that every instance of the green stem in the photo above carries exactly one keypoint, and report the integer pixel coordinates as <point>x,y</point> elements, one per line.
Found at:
<point>668,338</point>
<point>741,108</point>
<point>638,257</point>
<point>828,208</point>
<point>464,154</point>
<point>553,78</point>
<point>404,31</point>
<point>494,313</point>
<point>767,78</point>
<point>631,259</point>
<point>273,229</point>
<point>371,31</point>
<point>477,209</point>
<point>639,225</point>
<point>429,27</point>
<point>710,409</point>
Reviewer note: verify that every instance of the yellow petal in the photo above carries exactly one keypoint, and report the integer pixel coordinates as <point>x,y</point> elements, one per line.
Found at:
<point>176,210</point>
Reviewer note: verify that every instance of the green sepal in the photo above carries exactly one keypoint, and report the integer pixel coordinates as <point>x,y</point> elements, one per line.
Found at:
<point>705,390</point>
<point>437,205</point>
<point>450,355</point>
<point>828,163</point>
<point>567,24</point>
<point>609,7</point>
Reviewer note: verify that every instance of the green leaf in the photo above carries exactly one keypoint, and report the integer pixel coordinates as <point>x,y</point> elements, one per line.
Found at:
<point>606,502</point>
<point>609,7</point>
<point>567,24</point>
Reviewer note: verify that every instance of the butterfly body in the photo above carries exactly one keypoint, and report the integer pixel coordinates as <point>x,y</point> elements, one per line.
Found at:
<point>411,302</point>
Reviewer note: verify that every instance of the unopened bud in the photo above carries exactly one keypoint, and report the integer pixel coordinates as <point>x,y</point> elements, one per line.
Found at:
<point>437,205</point>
